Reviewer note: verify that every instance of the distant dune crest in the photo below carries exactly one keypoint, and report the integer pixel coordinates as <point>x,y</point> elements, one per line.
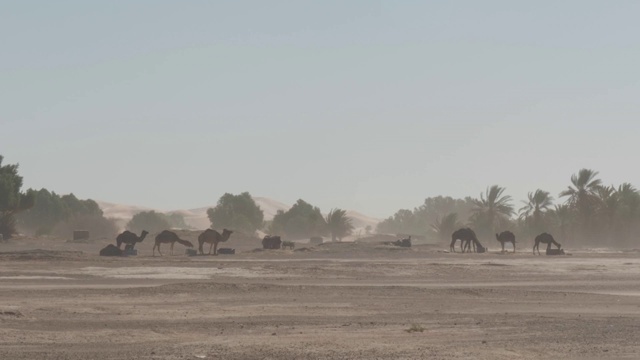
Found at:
<point>197,218</point>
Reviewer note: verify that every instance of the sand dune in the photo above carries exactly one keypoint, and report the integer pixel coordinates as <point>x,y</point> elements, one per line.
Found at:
<point>197,217</point>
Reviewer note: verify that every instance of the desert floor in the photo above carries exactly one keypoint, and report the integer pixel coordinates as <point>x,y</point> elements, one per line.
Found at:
<point>333,301</point>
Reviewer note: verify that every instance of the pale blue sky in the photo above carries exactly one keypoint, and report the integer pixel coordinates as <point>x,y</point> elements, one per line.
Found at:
<point>364,105</point>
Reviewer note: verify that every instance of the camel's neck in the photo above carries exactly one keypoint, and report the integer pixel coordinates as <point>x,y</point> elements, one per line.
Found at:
<point>142,236</point>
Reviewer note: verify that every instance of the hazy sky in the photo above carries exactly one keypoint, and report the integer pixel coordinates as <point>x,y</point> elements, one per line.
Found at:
<point>364,105</point>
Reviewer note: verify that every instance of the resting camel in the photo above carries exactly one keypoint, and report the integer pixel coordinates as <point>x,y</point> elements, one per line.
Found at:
<point>169,237</point>
<point>505,237</point>
<point>544,238</point>
<point>130,239</point>
<point>212,237</point>
<point>271,242</point>
<point>290,244</point>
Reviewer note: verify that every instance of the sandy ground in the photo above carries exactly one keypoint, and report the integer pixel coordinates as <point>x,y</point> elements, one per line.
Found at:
<point>335,301</point>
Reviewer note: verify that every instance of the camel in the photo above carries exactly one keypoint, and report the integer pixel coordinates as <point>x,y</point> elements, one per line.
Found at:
<point>171,238</point>
<point>467,238</point>
<point>505,237</point>
<point>406,242</point>
<point>465,235</point>
<point>130,239</point>
<point>212,237</point>
<point>111,250</point>
<point>545,238</point>
<point>290,244</point>
<point>271,242</point>
<point>477,247</point>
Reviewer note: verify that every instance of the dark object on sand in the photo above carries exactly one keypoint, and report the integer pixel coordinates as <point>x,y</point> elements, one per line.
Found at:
<point>271,242</point>
<point>403,242</point>
<point>227,251</point>
<point>111,250</point>
<point>555,251</point>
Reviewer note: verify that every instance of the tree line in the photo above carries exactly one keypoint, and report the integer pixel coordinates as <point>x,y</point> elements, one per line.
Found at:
<point>587,213</point>
<point>43,212</point>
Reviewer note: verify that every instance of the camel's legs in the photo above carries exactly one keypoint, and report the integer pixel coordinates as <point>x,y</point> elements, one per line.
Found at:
<point>171,250</point>
<point>502,243</point>
<point>514,247</point>
<point>158,245</point>
<point>210,247</point>
<point>215,248</point>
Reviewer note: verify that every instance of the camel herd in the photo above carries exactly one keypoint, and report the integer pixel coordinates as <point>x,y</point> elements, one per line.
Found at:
<point>466,236</point>
<point>209,236</point>
<point>468,239</point>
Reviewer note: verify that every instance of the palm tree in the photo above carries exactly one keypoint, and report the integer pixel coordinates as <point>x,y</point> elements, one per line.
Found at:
<point>339,224</point>
<point>608,208</point>
<point>562,216</point>
<point>628,210</point>
<point>585,187</point>
<point>446,226</point>
<point>492,206</point>
<point>582,196</point>
<point>539,202</point>
<point>629,199</point>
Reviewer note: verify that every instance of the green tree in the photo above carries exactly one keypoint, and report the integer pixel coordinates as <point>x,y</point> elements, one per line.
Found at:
<point>237,212</point>
<point>78,207</point>
<point>51,209</point>
<point>628,213</point>
<point>582,198</point>
<point>403,221</point>
<point>301,221</point>
<point>420,220</point>
<point>446,225</point>
<point>491,210</point>
<point>12,200</point>
<point>47,212</point>
<point>533,212</point>
<point>150,221</point>
<point>98,226</point>
<point>607,210</point>
<point>339,224</point>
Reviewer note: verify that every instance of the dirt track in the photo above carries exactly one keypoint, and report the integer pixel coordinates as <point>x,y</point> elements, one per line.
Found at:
<point>337,301</point>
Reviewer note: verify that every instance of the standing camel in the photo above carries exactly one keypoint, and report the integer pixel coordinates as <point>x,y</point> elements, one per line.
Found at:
<point>169,237</point>
<point>505,237</point>
<point>544,238</point>
<point>129,238</point>
<point>466,237</point>
<point>212,237</point>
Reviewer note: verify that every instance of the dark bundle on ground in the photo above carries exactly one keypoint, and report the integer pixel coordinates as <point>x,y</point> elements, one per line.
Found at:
<point>110,250</point>
<point>271,242</point>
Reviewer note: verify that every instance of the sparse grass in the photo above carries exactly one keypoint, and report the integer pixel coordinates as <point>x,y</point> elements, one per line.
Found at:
<point>415,328</point>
